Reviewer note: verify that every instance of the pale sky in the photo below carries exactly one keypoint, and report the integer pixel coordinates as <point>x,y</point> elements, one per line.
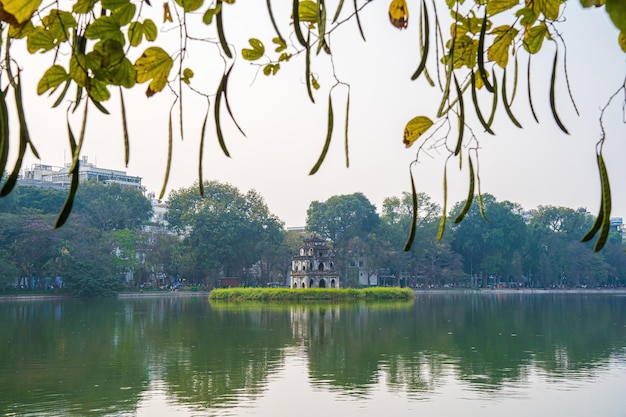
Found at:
<point>537,165</point>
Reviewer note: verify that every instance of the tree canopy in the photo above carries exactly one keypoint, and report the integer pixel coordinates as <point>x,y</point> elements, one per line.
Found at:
<point>470,51</point>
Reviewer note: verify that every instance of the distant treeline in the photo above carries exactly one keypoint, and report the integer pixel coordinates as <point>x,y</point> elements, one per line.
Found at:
<point>110,243</point>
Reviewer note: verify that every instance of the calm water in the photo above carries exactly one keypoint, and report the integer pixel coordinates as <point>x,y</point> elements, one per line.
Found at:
<point>441,355</point>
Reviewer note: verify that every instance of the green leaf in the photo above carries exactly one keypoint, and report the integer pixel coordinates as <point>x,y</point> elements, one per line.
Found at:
<point>125,129</point>
<point>19,10</point>
<point>507,105</point>
<point>470,195</point>
<point>329,134</point>
<point>497,6</point>
<point>282,45</point>
<point>479,113</point>
<point>307,70</point>
<point>295,6</point>
<point>207,18</point>
<point>415,128</point>
<point>83,6</point>
<point>170,147</point>
<point>187,75</point>
<point>52,78</point>
<point>190,5</point>
<point>123,74</point>
<point>220,33</point>
<point>217,108</point>
<point>533,39</point>
<point>149,30</point>
<point>124,14</point>
<point>69,201</point>
<point>40,40</point>
<point>499,50</point>
<point>22,31</point>
<point>459,95</point>
<point>425,33</point>
<point>549,8</point>
<point>481,55</point>
<point>155,64</point>
<point>358,20</point>
<point>113,4</point>
<point>307,11</point>
<point>135,33</point>
<point>617,12</point>
<point>271,69</point>
<point>527,15</point>
<point>553,94</point>
<point>59,23</point>
<point>621,39</point>
<point>257,51</point>
<point>98,90</point>
<point>606,205</point>
<point>413,229</point>
<point>105,27</point>
<point>338,11</point>
<point>442,221</point>
<point>78,69</point>
<point>271,13</point>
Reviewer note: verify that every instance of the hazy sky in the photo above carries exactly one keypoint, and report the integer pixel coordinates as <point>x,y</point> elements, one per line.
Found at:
<point>536,165</point>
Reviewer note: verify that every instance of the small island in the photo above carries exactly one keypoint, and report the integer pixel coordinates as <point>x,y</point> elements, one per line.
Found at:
<point>311,294</point>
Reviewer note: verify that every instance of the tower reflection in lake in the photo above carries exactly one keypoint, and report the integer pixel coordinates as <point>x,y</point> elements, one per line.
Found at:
<point>475,354</point>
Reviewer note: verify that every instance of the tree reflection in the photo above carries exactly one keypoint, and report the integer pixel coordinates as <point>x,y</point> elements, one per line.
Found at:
<point>99,357</point>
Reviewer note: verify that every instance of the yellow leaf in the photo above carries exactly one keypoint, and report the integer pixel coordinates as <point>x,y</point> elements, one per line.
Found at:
<point>17,12</point>
<point>167,14</point>
<point>415,128</point>
<point>499,51</point>
<point>155,64</point>
<point>399,14</point>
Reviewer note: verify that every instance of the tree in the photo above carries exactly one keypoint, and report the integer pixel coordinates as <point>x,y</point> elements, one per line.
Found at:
<point>95,47</point>
<point>430,262</point>
<point>341,218</point>
<point>224,231</point>
<point>493,246</point>
<point>112,206</point>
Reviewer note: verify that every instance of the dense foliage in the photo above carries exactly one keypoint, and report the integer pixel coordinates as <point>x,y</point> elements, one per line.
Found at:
<point>91,50</point>
<point>229,235</point>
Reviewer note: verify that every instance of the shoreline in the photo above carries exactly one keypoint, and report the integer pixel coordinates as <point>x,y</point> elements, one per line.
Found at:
<point>417,292</point>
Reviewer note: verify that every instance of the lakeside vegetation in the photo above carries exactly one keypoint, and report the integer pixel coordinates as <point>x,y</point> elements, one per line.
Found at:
<point>311,294</point>
<point>111,244</point>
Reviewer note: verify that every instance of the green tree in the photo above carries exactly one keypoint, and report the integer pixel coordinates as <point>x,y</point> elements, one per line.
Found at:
<point>493,246</point>
<point>112,206</point>
<point>224,231</point>
<point>341,218</point>
<point>430,262</point>
<point>27,199</point>
<point>86,260</point>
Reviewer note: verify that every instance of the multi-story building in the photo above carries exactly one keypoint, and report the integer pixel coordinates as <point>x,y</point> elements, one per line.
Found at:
<point>314,267</point>
<point>60,177</point>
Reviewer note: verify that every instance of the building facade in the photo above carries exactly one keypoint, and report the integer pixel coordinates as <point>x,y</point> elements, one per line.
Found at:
<point>60,177</point>
<point>314,267</point>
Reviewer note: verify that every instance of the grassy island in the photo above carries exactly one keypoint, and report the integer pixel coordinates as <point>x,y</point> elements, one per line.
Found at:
<point>311,294</point>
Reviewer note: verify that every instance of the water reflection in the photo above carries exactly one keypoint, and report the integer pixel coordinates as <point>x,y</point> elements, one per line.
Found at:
<point>185,356</point>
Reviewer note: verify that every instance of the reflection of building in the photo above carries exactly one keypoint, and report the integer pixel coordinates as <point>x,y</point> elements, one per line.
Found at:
<point>314,266</point>
<point>49,176</point>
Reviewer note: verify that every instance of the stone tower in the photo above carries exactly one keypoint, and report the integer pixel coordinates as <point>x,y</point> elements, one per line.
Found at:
<point>314,267</point>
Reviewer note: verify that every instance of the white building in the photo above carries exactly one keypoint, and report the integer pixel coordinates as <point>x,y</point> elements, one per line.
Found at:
<point>59,177</point>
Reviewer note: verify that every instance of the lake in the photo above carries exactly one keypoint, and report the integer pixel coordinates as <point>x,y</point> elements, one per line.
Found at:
<point>467,354</point>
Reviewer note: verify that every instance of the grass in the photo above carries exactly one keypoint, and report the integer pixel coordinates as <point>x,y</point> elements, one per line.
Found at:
<point>311,294</point>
